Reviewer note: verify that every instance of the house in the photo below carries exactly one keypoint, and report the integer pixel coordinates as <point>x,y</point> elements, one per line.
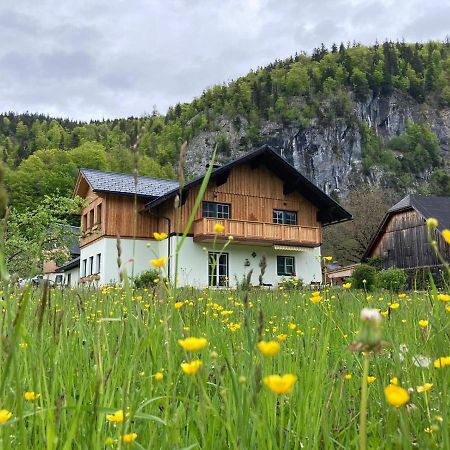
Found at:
<point>263,202</point>
<point>402,238</point>
<point>56,274</point>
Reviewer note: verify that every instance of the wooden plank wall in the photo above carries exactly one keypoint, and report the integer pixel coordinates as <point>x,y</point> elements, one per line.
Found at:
<point>253,194</point>
<point>405,243</point>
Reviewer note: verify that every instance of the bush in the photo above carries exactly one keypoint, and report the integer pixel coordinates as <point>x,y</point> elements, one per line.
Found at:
<point>392,279</point>
<point>146,279</point>
<point>364,272</point>
<point>291,283</point>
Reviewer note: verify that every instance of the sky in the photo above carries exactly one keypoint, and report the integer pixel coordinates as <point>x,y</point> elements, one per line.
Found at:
<point>94,59</point>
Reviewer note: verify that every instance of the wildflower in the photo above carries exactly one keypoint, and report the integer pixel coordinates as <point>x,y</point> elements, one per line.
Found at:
<point>5,415</point>
<point>347,285</point>
<point>23,345</point>
<point>371,379</point>
<point>394,381</point>
<point>31,396</point>
<point>432,222</point>
<point>421,361</point>
<point>394,305</point>
<point>160,236</point>
<point>371,315</point>
<point>402,295</point>
<point>269,348</point>
<point>447,308</point>
<point>446,235</point>
<point>316,299</point>
<point>282,337</point>
<point>443,297</point>
<point>280,384</point>
<point>116,417</point>
<point>218,228</point>
<point>178,305</point>
<point>109,441</point>
<point>328,258</point>
<point>423,323</point>
<point>230,238</point>
<point>424,388</point>
<point>128,438</point>
<point>443,361</point>
<point>191,368</point>
<point>159,376</point>
<point>384,313</point>
<point>292,326</point>
<point>348,376</point>
<point>396,395</point>
<point>192,344</point>
<point>159,262</point>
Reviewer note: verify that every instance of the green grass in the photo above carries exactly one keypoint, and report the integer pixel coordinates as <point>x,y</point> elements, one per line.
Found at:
<point>90,353</point>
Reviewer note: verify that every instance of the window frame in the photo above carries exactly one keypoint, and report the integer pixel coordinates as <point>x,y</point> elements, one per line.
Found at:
<point>98,263</point>
<point>84,267</point>
<point>215,210</point>
<point>284,218</point>
<point>285,273</point>
<point>91,265</point>
<point>216,279</point>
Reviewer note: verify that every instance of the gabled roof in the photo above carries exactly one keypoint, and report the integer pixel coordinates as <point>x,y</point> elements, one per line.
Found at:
<point>329,210</point>
<point>69,265</point>
<point>124,184</point>
<point>425,205</point>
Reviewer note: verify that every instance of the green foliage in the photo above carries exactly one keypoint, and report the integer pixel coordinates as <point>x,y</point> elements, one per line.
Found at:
<point>34,235</point>
<point>364,277</point>
<point>147,279</point>
<point>290,283</point>
<point>3,195</point>
<point>376,261</point>
<point>392,279</point>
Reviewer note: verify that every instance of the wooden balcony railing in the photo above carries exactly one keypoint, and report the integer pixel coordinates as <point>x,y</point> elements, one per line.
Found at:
<point>262,232</point>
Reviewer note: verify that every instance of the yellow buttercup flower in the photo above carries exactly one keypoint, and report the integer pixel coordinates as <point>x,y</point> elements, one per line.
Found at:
<point>160,236</point>
<point>396,395</point>
<point>269,348</point>
<point>292,326</point>
<point>178,305</point>
<point>23,345</point>
<point>328,258</point>
<point>347,285</point>
<point>371,379</point>
<point>403,295</point>
<point>218,228</point>
<point>159,262</point>
<point>192,344</point>
<point>348,376</point>
<point>443,297</point>
<point>443,361</point>
<point>280,384</point>
<point>116,417</point>
<point>432,222</point>
<point>191,368</point>
<point>31,396</point>
<point>446,235</point>
<point>159,376</point>
<point>128,438</point>
<point>282,337</point>
<point>423,323</point>
<point>394,305</point>
<point>5,415</point>
<point>424,388</point>
<point>394,381</point>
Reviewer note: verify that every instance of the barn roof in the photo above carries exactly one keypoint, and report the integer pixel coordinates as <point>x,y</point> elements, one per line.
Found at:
<point>425,205</point>
<point>124,184</point>
<point>329,210</point>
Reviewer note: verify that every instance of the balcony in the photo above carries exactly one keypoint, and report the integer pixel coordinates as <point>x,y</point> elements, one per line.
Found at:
<point>257,232</point>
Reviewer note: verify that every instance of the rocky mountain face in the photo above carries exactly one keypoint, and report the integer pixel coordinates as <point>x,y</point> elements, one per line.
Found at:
<point>329,154</point>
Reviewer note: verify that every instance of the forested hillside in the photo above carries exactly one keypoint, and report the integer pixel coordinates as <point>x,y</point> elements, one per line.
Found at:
<point>351,118</point>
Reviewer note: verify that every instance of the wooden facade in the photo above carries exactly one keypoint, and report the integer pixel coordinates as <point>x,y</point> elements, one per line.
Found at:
<point>253,194</point>
<point>403,242</point>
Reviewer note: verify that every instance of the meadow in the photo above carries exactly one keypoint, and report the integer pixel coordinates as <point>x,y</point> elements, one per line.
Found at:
<point>109,368</point>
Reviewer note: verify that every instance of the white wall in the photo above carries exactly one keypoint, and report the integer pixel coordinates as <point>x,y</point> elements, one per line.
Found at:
<point>107,247</point>
<point>193,260</point>
<point>74,277</point>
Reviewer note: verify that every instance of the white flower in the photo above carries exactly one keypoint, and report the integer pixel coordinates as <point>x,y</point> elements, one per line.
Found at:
<point>371,315</point>
<point>421,361</point>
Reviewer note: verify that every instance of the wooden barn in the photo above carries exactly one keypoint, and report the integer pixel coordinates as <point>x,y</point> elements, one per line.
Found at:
<point>402,238</point>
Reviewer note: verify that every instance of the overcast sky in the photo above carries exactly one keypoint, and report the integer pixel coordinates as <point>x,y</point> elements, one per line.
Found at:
<point>88,59</point>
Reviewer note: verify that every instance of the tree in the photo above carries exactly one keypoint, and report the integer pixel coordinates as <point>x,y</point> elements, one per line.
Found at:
<point>347,241</point>
<point>37,234</point>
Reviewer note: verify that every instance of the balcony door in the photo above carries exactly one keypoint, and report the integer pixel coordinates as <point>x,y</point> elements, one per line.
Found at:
<point>217,269</point>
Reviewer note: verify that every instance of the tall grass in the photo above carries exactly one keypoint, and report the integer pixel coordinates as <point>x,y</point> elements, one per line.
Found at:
<point>90,353</point>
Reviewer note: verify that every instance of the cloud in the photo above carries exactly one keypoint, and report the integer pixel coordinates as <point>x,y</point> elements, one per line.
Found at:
<point>92,59</point>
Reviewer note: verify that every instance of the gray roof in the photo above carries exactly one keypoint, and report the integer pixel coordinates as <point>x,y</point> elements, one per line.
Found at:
<point>69,265</point>
<point>122,183</point>
<point>427,206</point>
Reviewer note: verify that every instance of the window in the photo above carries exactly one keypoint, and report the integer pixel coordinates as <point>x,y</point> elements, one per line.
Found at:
<point>216,210</point>
<point>218,269</point>
<point>91,265</point>
<point>284,217</point>
<point>99,213</point>
<point>91,218</point>
<point>69,279</point>
<point>285,266</point>
<point>58,279</point>
<point>98,262</point>
<point>84,268</point>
